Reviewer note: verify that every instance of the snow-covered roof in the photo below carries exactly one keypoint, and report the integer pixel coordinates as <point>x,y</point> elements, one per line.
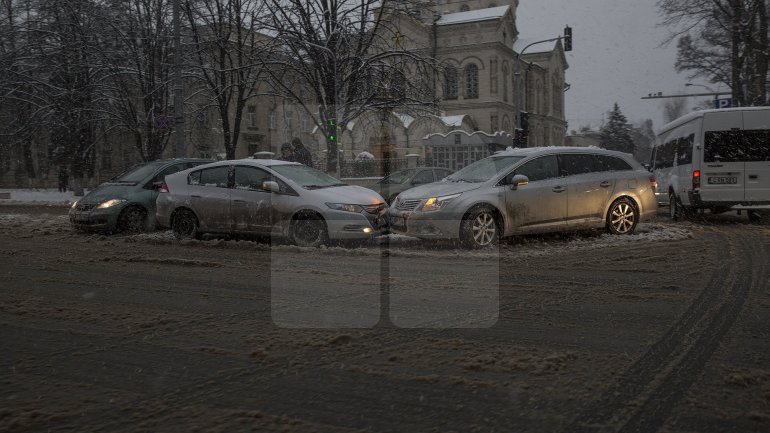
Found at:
<point>405,119</point>
<point>473,16</point>
<point>545,47</point>
<point>453,120</point>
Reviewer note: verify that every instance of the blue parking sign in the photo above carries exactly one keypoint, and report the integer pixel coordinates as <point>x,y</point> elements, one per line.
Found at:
<point>723,103</point>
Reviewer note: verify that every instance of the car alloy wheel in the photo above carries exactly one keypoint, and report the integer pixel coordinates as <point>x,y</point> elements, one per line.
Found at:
<point>132,220</point>
<point>480,229</point>
<point>185,225</point>
<point>308,231</point>
<point>622,217</point>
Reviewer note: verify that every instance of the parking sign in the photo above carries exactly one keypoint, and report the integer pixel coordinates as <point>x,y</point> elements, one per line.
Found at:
<point>723,103</point>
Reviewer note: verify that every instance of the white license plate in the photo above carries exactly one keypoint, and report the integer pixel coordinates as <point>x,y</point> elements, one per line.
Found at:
<point>722,180</point>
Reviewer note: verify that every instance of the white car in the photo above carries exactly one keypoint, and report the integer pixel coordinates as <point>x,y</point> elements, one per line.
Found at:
<point>268,197</point>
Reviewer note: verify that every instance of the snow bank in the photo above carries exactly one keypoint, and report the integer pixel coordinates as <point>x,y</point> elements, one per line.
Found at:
<point>39,196</point>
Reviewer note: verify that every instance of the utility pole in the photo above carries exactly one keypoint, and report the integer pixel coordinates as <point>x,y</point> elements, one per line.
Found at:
<point>180,150</point>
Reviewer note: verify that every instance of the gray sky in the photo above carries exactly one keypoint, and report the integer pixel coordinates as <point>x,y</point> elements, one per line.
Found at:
<point>615,56</point>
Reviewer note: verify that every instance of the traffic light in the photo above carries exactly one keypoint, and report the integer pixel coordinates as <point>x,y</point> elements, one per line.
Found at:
<point>568,38</point>
<point>332,130</point>
<point>524,123</point>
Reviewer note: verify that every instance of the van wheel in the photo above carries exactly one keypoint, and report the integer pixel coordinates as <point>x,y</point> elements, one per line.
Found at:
<point>622,217</point>
<point>132,220</point>
<point>185,225</point>
<point>676,211</point>
<point>309,230</point>
<point>758,217</point>
<point>480,229</point>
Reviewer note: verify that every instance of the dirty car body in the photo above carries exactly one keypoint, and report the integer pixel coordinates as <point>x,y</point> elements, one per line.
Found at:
<point>269,197</point>
<point>531,190</point>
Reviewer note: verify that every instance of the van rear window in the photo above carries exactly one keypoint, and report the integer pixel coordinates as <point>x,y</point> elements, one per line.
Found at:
<point>737,146</point>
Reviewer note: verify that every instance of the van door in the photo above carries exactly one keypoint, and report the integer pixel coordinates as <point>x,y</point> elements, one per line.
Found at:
<point>756,138</point>
<point>722,170</point>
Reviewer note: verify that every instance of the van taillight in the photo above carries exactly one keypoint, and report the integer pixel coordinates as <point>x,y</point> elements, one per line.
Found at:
<point>696,179</point>
<point>163,187</point>
<point>653,183</point>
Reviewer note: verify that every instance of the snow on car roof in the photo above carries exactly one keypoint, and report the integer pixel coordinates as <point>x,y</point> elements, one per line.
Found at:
<point>526,151</point>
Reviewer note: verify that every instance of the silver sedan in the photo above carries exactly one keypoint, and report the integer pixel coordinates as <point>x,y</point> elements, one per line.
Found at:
<point>268,197</point>
<point>531,190</point>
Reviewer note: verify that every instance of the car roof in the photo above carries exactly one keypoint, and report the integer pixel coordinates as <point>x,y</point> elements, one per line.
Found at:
<point>250,161</point>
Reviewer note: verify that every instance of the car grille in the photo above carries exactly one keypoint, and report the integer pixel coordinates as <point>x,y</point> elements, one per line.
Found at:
<point>375,208</point>
<point>85,206</point>
<point>407,204</point>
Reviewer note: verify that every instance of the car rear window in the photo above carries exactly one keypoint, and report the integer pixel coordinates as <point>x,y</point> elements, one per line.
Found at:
<point>215,176</point>
<point>611,163</point>
<point>737,146</point>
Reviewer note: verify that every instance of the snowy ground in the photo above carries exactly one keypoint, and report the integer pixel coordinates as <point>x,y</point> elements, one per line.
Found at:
<point>49,197</point>
<point>665,330</point>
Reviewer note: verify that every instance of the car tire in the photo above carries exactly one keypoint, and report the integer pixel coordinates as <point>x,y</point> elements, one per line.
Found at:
<point>622,217</point>
<point>132,219</point>
<point>480,229</point>
<point>184,224</point>
<point>309,230</point>
<point>676,210</point>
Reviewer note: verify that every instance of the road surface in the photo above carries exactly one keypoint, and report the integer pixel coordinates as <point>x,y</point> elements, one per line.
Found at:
<point>667,330</point>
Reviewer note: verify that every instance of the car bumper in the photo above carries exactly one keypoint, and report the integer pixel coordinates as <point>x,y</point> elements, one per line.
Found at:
<point>424,225</point>
<point>697,202</point>
<point>96,219</point>
<point>355,226</point>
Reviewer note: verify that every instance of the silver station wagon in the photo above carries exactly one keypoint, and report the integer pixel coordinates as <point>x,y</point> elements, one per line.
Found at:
<point>258,196</point>
<point>531,190</point>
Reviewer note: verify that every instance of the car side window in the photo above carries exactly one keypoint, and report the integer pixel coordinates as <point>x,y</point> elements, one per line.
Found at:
<point>611,163</point>
<point>214,177</point>
<point>573,164</point>
<point>425,176</point>
<point>684,150</point>
<point>250,178</point>
<point>442,173</point>
<point>545,167</point>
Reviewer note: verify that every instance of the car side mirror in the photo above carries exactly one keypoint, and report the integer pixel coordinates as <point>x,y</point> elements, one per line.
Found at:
<point>517,180</point>
<point>270,185</point>
<point>156,185</point>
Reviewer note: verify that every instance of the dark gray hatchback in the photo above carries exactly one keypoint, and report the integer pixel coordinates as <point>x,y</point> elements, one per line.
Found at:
<point>127,202</point>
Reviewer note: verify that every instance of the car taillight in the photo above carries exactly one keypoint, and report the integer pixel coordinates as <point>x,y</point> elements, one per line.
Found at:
<point>653,183</point>
<point>696,179</point>
<point>163,187</point>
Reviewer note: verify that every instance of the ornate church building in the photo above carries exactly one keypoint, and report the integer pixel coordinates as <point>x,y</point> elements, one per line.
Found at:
<point>491,74</point>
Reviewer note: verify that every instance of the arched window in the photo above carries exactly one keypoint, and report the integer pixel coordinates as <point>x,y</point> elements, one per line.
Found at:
<point>505,82</point>
<point>450,82</point>
<point>471,81</point>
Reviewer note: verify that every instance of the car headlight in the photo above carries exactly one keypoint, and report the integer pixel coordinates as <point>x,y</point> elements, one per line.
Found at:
<point>74,204</point>
<point>345,207</point>
<point>110,203</point>
<point>435,203</point>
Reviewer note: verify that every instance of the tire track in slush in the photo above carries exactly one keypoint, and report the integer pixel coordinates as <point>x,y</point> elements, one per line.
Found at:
<point>609,409</point>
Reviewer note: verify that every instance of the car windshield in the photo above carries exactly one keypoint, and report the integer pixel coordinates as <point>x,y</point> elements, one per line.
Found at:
<point>482,171</point>
<point>398,177</point>
<point>138,173</point>
<point>306,177</point>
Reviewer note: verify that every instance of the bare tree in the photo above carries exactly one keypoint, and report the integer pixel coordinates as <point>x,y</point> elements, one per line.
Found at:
<point>226,45</point>
<point>136,53</point>
<point>337,59</point>
<point>724,41</point>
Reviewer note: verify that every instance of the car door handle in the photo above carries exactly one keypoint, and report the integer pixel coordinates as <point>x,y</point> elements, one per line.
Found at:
<point>239,201</point>
<point>753,176</point>
<point>195,196</point>
<point>559,189</point>
<point>605,184</point>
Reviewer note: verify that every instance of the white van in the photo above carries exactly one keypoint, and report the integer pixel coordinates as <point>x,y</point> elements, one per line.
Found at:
<point>715,159</point>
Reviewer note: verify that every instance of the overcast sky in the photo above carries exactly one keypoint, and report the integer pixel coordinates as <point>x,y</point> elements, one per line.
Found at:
<point>615,56</point>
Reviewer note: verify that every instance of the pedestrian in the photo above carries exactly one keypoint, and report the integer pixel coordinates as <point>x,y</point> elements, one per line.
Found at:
<point>287,153</point>
<point>301,154</point>
<point>63,178</point>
